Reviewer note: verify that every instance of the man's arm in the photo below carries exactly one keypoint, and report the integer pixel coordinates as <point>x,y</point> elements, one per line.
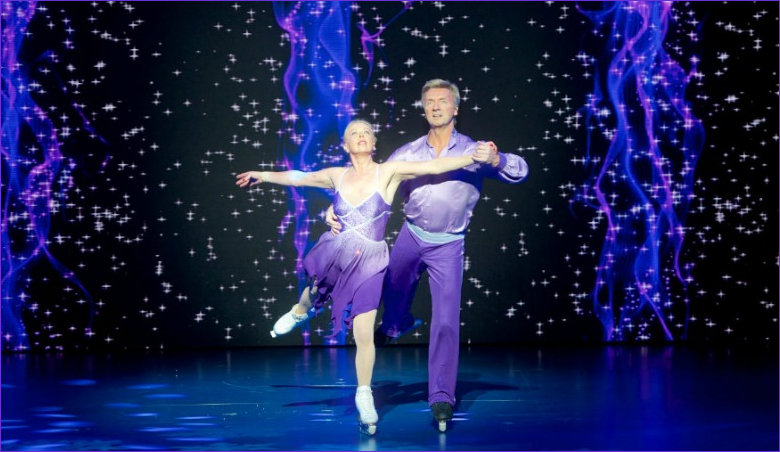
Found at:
<point>510,168</point>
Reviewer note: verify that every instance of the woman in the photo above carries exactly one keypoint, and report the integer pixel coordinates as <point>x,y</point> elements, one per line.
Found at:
<point>349,267</point>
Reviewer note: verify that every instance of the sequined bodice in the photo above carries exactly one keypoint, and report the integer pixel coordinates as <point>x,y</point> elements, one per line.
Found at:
<point>367,219</point>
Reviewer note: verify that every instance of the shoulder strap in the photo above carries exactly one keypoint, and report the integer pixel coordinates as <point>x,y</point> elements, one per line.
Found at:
<point>341,179</point>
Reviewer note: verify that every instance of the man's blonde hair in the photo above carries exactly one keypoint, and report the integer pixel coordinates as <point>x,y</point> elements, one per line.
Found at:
<point>440,83</point>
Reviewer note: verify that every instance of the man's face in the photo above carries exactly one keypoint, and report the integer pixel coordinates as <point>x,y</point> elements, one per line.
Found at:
<point>439,106</point>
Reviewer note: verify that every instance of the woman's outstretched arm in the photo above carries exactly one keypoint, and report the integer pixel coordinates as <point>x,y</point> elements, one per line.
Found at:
<point>409,170</point>
<point>322,178</point>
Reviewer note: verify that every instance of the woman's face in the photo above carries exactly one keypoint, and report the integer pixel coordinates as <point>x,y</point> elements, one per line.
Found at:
<point>359,138</point>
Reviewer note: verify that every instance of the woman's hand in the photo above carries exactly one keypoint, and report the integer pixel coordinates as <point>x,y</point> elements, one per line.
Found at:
<point>250,178</point>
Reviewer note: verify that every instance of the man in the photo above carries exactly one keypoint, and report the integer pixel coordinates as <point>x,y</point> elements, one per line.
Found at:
<point>438,210</point>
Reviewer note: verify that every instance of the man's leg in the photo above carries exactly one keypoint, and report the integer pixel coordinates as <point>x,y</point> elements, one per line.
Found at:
<point>445,271</point>
<point>403,274</point>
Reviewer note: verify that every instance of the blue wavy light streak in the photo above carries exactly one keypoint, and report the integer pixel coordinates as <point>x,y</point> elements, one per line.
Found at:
<point>320,88</point>
<point>643,183</point>
<point>35,181</point>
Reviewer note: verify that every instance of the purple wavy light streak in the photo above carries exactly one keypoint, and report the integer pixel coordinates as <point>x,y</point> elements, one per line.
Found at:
<point>320,88</point>
<point>35,180</point>
<point>644,181</point>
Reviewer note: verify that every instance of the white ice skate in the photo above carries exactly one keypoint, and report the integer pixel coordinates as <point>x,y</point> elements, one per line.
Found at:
<point>364,400</point>
<point>288,322</point>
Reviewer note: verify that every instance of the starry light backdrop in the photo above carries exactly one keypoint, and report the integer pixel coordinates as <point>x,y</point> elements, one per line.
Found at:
<point>642,189</point>
<point>650,129</point>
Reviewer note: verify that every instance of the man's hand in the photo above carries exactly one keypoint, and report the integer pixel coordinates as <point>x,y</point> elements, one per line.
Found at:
<point>332,220</point>
<point>486,152</point>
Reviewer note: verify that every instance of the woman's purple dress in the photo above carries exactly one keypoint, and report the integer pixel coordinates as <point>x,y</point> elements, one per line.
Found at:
<point>349,267</point>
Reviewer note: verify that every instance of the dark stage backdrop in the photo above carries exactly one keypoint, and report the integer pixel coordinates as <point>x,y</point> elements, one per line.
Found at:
<point>650,211</point>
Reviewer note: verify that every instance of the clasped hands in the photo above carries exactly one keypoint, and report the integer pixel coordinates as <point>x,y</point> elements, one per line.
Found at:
<point>486,152</point>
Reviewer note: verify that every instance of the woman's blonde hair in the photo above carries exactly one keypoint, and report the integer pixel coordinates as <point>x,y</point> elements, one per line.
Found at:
<point>359,121</point>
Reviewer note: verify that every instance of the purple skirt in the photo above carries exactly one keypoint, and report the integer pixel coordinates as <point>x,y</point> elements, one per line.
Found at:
<point>349,269</point>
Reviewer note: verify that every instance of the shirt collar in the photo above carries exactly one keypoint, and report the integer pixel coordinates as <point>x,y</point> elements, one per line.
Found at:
<point>451,144</point>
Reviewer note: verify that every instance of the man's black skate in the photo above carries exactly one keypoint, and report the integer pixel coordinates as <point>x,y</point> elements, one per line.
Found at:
<point>442,413</point>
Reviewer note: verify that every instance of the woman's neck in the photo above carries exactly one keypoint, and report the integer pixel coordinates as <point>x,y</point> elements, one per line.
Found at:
<point>362,163</point>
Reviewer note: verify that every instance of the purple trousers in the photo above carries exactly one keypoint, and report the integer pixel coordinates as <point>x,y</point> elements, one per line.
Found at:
<point>409,258</point>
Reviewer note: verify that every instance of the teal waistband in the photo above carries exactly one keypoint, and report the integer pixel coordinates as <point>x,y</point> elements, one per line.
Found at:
<point>434,237</point>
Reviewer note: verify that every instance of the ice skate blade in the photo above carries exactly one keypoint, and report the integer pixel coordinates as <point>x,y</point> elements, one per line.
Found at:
<point>442,426</point>
<point>273,334</point>
<point>368,429</point>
